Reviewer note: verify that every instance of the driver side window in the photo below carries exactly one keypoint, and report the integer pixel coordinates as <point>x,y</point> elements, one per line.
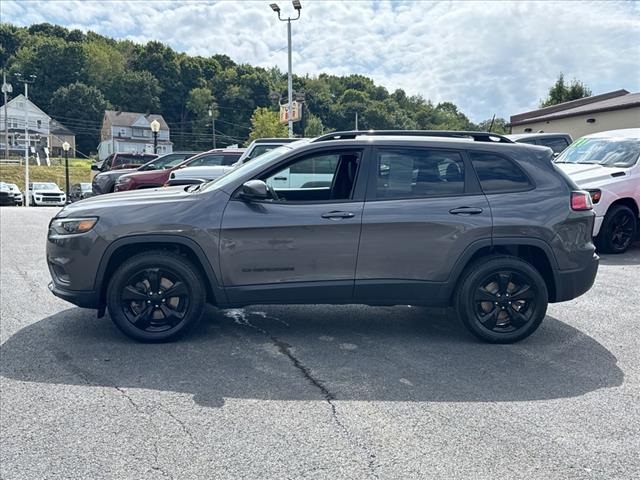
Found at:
<point>318,177</point>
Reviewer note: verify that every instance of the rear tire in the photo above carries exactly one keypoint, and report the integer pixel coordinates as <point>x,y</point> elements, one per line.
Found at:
<point>156,296</point>
<point>618,230</point>
<point>501,299</point>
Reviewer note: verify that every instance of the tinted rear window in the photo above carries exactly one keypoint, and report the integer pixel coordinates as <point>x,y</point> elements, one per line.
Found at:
<point>557,144</point>
<point>498,174</point>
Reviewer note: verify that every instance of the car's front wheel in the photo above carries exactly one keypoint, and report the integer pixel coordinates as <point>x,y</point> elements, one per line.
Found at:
<point>502,299</point>
<point>156,296</point>
<point>618,230</point>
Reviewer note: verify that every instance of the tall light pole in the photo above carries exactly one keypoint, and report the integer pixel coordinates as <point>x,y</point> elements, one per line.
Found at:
<point>155,128</point>
<point>26,83</point>
<point>6,88</point>
<point>298,8</point>
<point>65,147</point>
<point>212,114</point>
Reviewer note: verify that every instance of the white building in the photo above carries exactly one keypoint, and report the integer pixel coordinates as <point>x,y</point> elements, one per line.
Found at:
<point>130,132</point>
<point>17,110</point>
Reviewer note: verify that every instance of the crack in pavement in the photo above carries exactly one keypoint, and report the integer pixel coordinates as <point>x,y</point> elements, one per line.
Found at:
<point>90,379</point>
<point>240,317</point>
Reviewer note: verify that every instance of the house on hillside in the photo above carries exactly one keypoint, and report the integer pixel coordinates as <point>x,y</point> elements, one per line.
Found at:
<point>608,111</point>
<point>131,132</point>
<point>18,110</point>
<point>58,134</point>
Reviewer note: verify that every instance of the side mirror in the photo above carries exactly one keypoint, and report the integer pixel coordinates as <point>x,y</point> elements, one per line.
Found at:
<point>95,167</point>
<point>254,190</point>
<point>556,154</point>
<point>151,167</point>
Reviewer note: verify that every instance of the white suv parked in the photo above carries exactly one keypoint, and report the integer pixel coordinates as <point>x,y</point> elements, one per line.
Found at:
<point>46,193</point>
<point>606,164</point>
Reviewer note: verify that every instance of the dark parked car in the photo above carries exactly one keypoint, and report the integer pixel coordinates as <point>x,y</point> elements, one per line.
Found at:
<point>152,179</point>
<point>7,196</point>
<point>105,182</point>
<point>471,220</point>
<point>80,191</point>
<point>555,141</point>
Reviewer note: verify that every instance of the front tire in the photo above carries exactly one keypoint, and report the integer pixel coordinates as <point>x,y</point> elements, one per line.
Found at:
<point>501,299</point>
<point>618,230</point>
<point>156,296</point>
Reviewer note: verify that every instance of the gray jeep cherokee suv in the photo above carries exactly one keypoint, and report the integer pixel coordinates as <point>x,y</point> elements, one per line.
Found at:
<point>471,220</point>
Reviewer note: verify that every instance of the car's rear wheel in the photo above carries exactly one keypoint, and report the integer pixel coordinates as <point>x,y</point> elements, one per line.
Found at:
<point>502,299</point>
<point>156,296</point>
<point>618,230</point>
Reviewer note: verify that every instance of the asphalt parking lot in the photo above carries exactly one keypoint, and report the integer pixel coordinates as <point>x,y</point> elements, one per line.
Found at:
<point>314,392</point>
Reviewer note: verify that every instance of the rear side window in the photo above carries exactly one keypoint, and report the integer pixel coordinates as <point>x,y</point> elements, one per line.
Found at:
<point>557,144</point>
<point>498,174</point>
<point>213,160</point>
<point>406,173</point>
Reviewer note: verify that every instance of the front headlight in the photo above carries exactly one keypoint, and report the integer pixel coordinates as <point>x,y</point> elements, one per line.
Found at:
<point>69,226</point>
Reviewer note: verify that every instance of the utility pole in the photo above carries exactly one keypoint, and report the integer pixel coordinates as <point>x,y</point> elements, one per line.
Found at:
<point>26,83</point>
<point>6,88</point>
<point>212,114</point>
<point>298,7</point>
<point>356,121</point>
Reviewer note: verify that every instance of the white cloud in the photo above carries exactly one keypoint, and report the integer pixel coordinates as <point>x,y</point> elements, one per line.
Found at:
<point>487,57</point>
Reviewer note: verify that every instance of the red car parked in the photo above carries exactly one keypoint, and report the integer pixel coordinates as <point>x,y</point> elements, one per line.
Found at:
<point>157,178</point>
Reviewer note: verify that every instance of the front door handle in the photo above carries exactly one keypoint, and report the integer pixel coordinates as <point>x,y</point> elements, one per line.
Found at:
<point>337,215</point>
<point>465,211</point>
<point>279,178</point>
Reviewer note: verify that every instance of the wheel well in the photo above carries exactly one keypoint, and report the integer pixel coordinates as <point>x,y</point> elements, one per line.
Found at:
<point>627,202</point>
<point>127,251</point>
<point>529,253</point>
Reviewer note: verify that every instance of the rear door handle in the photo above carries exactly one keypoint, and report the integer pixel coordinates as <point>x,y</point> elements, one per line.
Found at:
<point>465,211</point>
<point>337,215</point>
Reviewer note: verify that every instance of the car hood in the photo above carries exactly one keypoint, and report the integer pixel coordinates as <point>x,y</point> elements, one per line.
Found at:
<point>198,172</point>
<point>587,174</point>
<point>58,191</point>
<point>149,174</point>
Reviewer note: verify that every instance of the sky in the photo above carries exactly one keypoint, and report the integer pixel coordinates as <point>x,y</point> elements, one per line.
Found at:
<point>486,57</point>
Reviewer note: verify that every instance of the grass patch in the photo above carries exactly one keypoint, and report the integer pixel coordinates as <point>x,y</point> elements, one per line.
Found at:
<point>79,172</point>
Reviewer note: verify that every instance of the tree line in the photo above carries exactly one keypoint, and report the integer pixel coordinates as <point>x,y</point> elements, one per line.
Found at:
<point>79,75</point>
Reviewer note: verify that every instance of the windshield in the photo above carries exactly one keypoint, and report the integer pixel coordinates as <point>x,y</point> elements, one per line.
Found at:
<point>609,152</point>
<point>166,161</point>
<point>247,168</point>
<point>45,186</point>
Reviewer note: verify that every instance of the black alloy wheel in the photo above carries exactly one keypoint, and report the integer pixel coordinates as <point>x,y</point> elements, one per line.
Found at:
<point>155,296</point>
<point>502,299</point>
<point>154,300</point>
<point>618,230</point>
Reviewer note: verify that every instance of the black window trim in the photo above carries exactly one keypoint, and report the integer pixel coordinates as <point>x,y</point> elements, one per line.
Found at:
<point>532,184</point>
<point>359,189</point>
<point>471,184</point>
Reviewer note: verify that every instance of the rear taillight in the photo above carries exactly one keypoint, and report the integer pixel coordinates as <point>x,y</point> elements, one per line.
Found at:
<point>581,200</point>
<point>596,195</point>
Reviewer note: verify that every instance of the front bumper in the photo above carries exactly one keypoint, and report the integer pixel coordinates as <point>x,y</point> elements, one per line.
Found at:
<point>573,283</point>
<point>84,299</point>
<point>50,201</point>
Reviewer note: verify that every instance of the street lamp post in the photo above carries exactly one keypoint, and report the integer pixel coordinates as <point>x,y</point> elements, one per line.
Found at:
<point>298,7</point>
<point>65,147</point>
<point>26,83</point>
<point>212,114</point>
<point>155,128</point>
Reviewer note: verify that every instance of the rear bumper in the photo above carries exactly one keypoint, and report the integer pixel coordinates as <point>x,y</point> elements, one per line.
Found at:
<point>573,283</point>
<point>84,299</point>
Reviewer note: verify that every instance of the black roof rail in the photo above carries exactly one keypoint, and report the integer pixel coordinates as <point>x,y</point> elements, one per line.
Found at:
<point>476,136</point>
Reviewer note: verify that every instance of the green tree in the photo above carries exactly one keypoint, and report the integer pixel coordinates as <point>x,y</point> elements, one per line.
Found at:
<point>55,63</point>
<point>266,123</point>
<point>81,108</point>
<point>560,92</point>
<point>499,125</point>
<point>199,102</point>
<point>136,92</point>
<point>313,127</point>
